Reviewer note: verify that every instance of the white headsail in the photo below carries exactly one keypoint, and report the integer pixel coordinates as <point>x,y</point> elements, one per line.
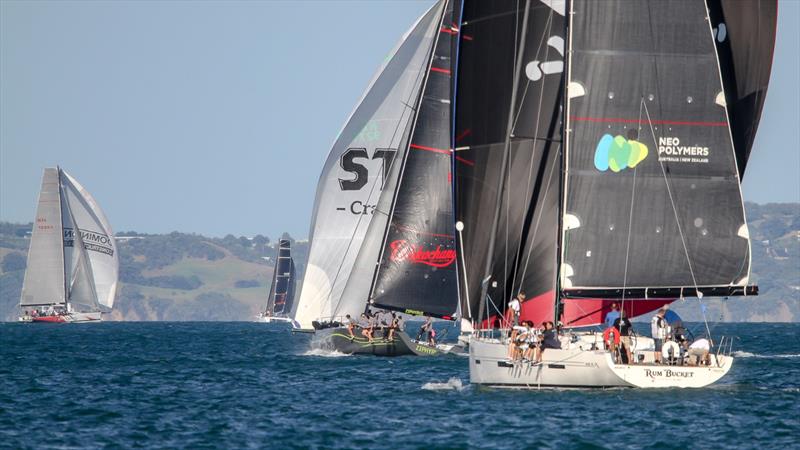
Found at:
<point>97,237</point>
<point>356,168</point>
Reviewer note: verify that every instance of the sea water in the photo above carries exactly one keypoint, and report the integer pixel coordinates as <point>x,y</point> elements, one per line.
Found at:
<point>249,385</point>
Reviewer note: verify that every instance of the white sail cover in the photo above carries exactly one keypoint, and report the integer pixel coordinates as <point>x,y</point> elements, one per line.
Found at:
<point>351,181</point>
<point>44,278</point>
<point>101,265</point>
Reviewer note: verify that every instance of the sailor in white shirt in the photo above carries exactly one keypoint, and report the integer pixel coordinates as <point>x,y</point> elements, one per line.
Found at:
<point>515,305</point>
<point>699,351</point>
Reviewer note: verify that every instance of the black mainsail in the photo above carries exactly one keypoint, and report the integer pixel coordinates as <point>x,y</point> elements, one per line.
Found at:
<point>652,193</point>
<point>281,292</point>
<point>524,251</point>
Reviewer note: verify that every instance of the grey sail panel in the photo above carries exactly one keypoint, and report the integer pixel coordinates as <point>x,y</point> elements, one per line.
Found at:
<point>652,189</point>
<point>524,255</point>
<point>417,270</point>
<point>745,39</point>
<point>81,291</point>
<point>97,237</point>
<point>353,176</point>
<point>44,282</point>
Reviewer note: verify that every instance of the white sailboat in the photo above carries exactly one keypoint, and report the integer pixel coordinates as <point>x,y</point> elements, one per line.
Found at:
<point>613,174</point>
<point>73,264</point>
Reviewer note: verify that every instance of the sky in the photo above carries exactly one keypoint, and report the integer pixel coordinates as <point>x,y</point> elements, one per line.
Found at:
<point>216,117</point>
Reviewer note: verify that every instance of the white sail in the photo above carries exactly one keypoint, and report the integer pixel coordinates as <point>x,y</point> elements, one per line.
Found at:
<point>98,240</point>
<point>81,292</point>
<point>44,282</point>
<point>351,181</point>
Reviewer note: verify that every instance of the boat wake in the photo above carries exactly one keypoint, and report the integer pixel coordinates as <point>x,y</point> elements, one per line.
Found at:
<point>453,384</point>
<point>742,354</point>
<point>325,353</point>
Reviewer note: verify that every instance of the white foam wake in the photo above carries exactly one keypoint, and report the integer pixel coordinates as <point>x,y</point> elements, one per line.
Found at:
<point>741,354</point>
<point>453,384</point>
<point>324,353</point>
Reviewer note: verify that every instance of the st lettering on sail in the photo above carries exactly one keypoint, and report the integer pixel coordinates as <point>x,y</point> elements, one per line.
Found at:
<point>73,264</point>
<point>405,259</point>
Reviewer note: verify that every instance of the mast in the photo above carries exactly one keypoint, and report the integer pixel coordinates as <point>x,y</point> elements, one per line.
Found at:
<point>504,165</point>
<point>62,198</point>
<point>558,308</point>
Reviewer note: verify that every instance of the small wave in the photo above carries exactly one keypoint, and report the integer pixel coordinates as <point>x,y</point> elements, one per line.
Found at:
<point>324,353</point>
<point>741,354</point>
<point>453,384</point>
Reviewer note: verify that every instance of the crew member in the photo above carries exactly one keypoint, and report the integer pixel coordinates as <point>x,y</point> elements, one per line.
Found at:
<point>515,306</point>
<point>658,329</point>
<point>699,351</point>
<point>624,326</point>
<point>612,315</point>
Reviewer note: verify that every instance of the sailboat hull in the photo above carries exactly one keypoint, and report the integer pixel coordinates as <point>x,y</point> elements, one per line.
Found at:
<point>577,367</point>
<point>73,317</point>
<point>339,339</point>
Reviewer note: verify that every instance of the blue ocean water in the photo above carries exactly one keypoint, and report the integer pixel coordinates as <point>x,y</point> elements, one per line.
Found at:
<point>247,385</point>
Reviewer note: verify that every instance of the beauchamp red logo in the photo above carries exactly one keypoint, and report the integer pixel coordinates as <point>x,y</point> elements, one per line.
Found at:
<point>403,251</point>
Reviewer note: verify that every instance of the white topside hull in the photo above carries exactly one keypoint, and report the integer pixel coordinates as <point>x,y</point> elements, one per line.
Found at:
<point>577,365</point>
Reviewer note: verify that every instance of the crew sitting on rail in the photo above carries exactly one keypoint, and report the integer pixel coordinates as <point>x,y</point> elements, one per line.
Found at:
<point>350,324</point>
<point>514,341</point>
<point>366,326</point>
<point>531,342</point>
<point>549,339</point>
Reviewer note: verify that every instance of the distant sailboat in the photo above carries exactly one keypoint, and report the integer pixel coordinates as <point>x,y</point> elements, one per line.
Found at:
<point>73,263</point>
<point>281,291</point>
<point>611,176</point>
<point>382,232</point>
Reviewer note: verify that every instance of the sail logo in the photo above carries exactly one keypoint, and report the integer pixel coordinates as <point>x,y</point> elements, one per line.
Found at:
<point>618,153</point>
<point>535,70</point>
<point>670,149</point>
<point>403,251</point>
<point>93,241</point>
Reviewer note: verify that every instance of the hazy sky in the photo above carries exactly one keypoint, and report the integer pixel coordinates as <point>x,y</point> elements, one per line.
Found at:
<point>216,117</point>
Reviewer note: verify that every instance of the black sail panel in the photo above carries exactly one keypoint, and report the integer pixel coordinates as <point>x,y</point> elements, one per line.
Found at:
<point>745,38</point>
<point>524,254</point>
<point>282,290</point>
<point>652,190</point>
<point>417,271</point>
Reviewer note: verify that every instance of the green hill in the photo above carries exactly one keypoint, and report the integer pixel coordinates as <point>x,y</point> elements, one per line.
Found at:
<point>181,276</point>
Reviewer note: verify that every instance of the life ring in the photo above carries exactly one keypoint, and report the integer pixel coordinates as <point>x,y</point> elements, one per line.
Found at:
<point>608,333</point>
<point>670,346</point>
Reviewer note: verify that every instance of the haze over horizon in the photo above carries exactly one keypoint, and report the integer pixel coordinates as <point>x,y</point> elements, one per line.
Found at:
<point>217,117</point>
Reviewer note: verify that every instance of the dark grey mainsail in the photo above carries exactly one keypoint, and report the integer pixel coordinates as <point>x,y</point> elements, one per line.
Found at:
<point>281,292</point>
<point>652,195</point>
